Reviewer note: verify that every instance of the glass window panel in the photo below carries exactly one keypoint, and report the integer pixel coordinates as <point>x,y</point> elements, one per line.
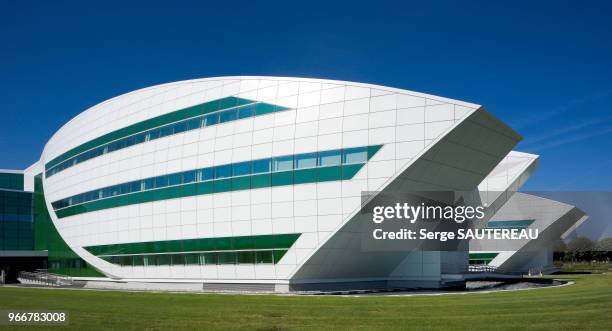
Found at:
<point>192,259</point>
<point>124,188</point>
<point>163,259</point>
<point>306,161</point>
<point>139,138</point>
<point>153,134</point>
<point>175,179</point>
<point>178,259</point>
<point>194,123</point>
<point>223,171</point>
<point>282,163</point>
<point>245,112</point>
<point>149,183</point>
<point>165,131</point>
<point>207,174</point>
<point>161,181</point>
<point>242,168</point>
<point>189,176</point>
<point>138,260</point>
<point>355,155</point>
<point>129,141</point>
<point>211,119</point>
<point>150,260</point>
<point>329,158</point>
<point>227,257</point>
<point>135,186</point>
<point>260,166</point>
<point>210,258</point>
<point>245,257</point>
<point>263,257</point>
<point>180,127</point>
<point>228,115</point>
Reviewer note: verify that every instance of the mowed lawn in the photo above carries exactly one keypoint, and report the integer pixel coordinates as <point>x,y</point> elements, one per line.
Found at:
<point>585,305</point>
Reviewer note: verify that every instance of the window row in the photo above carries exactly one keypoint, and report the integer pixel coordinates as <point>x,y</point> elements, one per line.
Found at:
<point>168,130</point>
<point>357,155</point>
<point>208,258</point>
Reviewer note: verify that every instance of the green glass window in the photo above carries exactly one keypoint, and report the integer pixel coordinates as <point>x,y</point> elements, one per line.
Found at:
<point>303,161</point>
<point>245,257</point>
<point>226,257</point>
<point>329,158</point>
<point>282,163</point>
<point>210,258</point>
<point>263,257</point>
<point>192,259</point>
<point>163,259</point>
<point>355,155</point>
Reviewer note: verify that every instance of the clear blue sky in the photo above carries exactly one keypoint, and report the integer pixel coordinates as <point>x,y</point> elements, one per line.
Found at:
<point>545,68</point>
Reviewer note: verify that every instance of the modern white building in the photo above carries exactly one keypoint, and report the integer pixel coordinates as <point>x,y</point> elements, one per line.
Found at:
<point>256,182</point>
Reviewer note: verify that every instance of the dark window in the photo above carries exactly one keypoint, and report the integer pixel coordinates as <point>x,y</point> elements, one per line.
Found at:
<point>135,186</point>
<point>194,123</point>
<point>149,183</point>
<point>245,112</point>
<point>211,119</point>
<point>175,179</point>
<point>207,174</point>
<point>223,171</point>
<point>180,127</point>
<point>165,131</point>
<point>189,176</point>
<point>228,115</point>
<point>260,166</point>
<point>242,168</point>
<point>161,181</point>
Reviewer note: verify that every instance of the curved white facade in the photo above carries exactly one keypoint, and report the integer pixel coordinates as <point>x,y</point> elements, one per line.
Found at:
<point>414,141</point>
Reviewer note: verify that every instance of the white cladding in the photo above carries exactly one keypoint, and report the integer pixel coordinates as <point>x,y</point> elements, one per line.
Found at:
<point>323,115</point>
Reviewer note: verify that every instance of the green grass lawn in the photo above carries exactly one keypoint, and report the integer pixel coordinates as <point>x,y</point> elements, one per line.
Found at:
<point>585,305</point>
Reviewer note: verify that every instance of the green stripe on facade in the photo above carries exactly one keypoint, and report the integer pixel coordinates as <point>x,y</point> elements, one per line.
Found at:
<point>201,109</point>
<point>202,258</point>
<point>300,176</point>
<point>260,242</point>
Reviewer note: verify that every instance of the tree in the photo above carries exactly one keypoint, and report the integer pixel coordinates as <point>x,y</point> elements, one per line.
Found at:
<point>604,245</point>
<point>581,244</point>
<point>560,246</point>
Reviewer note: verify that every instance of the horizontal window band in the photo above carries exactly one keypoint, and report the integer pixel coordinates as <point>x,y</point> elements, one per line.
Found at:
<point>182,114</point>
<point>240,173</point>
<point>198,259</point>
<point>256,242</point>
<point>304,176</point>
